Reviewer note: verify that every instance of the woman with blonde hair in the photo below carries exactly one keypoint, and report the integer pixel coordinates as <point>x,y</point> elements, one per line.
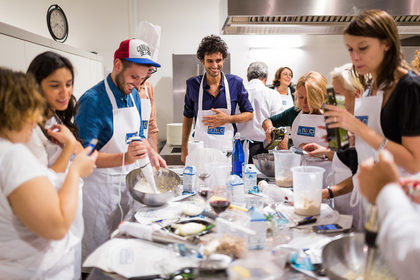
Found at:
<point>35,215</point>
<point>310,95</point>
<point>416,62</point>
<point>306,119</point>
<point>344,164</point>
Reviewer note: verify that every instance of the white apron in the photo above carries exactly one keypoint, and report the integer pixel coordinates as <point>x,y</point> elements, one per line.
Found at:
<point>305,129</point>
<point>146,110</point>
<point>101,191</point>
<point>53,151</point>
<point>77,227</point>
<point>342,202</point>
<point>368,110</point>
<point>287,100</point>
<point>221,137</point>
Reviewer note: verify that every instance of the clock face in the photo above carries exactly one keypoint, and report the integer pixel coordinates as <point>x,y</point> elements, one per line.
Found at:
<point>57,23</point>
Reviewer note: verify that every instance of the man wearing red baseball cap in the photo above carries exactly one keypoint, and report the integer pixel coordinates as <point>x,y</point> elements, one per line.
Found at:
<point>111,112</point>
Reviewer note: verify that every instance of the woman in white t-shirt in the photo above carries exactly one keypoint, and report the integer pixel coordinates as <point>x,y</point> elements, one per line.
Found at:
<point>55,142</point>
<point>34,216</point>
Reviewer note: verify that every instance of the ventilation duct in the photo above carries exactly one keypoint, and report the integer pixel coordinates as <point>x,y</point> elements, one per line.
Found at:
<point>313,16</point>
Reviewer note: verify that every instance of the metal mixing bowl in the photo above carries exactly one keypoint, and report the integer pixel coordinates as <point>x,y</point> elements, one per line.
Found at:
<point>264,163</point>
<point>166,182</point>
<point>345,257</point>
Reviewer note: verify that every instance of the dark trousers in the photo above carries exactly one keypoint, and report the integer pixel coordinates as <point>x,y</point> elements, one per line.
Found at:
<point>255,149</point>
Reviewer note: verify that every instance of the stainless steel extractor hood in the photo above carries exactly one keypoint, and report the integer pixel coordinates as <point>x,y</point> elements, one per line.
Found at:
<point>313,16</point>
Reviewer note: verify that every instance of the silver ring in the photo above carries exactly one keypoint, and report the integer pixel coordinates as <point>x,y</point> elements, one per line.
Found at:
<point>335,119</point>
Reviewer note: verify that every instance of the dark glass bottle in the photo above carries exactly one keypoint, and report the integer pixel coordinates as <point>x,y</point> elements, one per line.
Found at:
<point>238,156</point>
<point>338,138</point>
<point>277,135</point>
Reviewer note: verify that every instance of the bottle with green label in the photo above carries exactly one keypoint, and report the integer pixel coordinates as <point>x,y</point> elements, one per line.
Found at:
<point>338,138</point>
<point>277,135</point>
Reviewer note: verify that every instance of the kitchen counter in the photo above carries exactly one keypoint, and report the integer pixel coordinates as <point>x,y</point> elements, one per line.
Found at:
<point>271,242</point>
<point>172,154</point>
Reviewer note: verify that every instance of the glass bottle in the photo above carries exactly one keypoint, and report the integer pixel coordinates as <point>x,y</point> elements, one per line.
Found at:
<point>238,156</point>
<point>338,138</point>
<point>277,135</point>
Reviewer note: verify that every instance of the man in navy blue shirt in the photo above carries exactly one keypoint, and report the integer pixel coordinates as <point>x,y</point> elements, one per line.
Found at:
<point>211,100</point>
<point>111,112</point>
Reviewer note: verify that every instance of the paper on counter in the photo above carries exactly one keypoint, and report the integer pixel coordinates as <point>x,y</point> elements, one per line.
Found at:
<point>327,215</point>
<point>134,258</point>
<point>148,215</point>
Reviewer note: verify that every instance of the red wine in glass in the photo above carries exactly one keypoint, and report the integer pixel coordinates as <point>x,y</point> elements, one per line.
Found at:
<point>219,205</point>
<point>204,193</point>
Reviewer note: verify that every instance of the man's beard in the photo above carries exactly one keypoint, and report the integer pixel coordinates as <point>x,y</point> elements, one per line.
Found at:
<point>120,82</point>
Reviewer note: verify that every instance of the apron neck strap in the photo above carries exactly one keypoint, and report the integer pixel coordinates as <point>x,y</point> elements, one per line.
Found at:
<point>112,97</point>
<point>201,92</point>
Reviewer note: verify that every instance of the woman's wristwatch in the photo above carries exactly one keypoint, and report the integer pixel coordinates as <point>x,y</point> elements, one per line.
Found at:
<point>330,197</point>
<point>330,192</point>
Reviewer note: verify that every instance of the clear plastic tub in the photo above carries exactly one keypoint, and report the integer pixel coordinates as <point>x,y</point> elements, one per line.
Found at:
<point>307,189</point>
<point>284,160</point>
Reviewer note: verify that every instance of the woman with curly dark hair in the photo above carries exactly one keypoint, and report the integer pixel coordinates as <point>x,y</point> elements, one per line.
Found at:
<point>55,142</point>
<point>282,83</point>
<point>211,99</point>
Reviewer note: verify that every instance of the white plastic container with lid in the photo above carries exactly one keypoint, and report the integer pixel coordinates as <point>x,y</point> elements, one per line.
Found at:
<point>236,189</point>
<point>259,225</point>
<point>189,179</point>
<point>250,177</point>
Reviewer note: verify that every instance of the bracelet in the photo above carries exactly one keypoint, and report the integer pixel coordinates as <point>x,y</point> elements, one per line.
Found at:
<point>330,192</point>
<point>382,146</point>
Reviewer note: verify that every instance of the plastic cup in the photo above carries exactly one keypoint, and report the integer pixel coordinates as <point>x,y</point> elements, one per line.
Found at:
<point>284,160</point>
<point>307,189</point>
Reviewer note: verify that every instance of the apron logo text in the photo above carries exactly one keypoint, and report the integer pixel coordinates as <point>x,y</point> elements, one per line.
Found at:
<point>216,131</point>
<point>364,119</point>
<point>129,135</point>
<point>306,131</point>
<point>145,124</point>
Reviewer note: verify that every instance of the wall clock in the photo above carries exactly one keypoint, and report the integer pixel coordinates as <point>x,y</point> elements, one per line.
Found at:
<point>57,23</point>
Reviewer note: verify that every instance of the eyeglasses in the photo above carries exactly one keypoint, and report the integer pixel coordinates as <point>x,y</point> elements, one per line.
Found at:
<point>287,74</point>
<point>152,70</point>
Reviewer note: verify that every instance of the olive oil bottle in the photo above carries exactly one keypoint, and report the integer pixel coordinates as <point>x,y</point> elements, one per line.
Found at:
<point>277,135</point>
<point>338,138</point>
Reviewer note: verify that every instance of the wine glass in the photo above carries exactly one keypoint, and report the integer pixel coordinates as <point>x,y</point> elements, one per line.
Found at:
<point>204,174</point>
<point>219,201</point>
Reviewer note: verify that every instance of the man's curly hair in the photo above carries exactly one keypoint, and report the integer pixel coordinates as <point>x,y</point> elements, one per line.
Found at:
<point>211,44</point>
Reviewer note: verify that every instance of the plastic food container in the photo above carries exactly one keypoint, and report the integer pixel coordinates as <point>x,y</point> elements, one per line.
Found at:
<point>307,189</point>
<point>284,160</point>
